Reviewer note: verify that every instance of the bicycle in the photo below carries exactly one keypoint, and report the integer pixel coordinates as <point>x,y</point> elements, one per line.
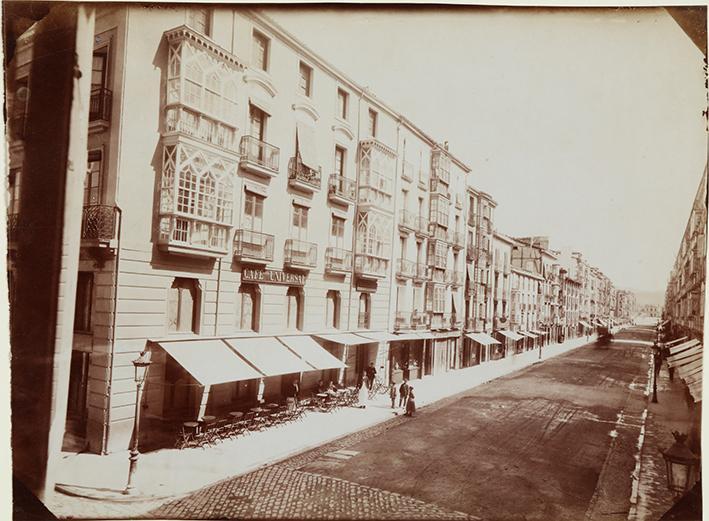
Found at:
<point>378,387</point>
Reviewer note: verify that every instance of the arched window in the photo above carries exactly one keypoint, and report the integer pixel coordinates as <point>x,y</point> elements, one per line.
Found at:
<point>294,311</point>
<point>183,306</point>
<point>332,312</point>
<point>364,311</point>
<point>249,307</point>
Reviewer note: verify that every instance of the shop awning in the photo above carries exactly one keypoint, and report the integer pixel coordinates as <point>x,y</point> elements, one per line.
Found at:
<point>306,145</point>
<point>675,341</point>
<point>310,351</point>
<point>585,324</point>
<point>683,346</point>
<point>527,334</point>
<point>210,361</point>
<point>426,335</point>
<point>510,334</point>
<point>269,355</point>
<point>378,336</point>
<point>482,338</point>
<point>348,339</point>
<point>538,333</point>
<point>685,357</point>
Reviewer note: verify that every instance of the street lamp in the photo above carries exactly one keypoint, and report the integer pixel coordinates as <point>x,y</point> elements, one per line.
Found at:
<point>682,465</point>
<point>656,362</point>
<point>141,365</point>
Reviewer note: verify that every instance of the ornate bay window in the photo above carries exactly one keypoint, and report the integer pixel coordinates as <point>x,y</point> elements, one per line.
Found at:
<point>372,248</point>
<point>377,167</point>
<point>196,201</point>
<point>201,97</point>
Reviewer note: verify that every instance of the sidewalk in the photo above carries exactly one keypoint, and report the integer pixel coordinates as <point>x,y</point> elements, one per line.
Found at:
<point>669,414</point>
<point>170,473</point>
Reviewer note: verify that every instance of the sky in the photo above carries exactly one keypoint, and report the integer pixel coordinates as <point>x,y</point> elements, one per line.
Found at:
<point>584,125</point>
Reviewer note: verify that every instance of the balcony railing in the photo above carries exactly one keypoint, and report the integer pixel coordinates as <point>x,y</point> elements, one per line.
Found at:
<point>302,176</point>
<point>363,320</point>
<point>259,156</point>
<point>405,269</point>
<point>300,254</point>
<point>369,266</point>
<point>421,226</point>
<point>199,126</point>
<point>338,260</point>
<point>458,202</point>
<point>253,246</point>
<point>407,221</point>
<point>100,104</point>
<point>341,189</point>
<point>421,273</point>
<point>401,320</point>
<point>420,320</point>
<point>98,223</point>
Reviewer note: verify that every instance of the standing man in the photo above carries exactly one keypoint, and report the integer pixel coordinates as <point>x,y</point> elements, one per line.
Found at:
<point>371,372</point>
<point>403,392</point>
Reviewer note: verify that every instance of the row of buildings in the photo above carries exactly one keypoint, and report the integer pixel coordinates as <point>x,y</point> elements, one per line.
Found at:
<point>251,215</point>
<point>684,297</point>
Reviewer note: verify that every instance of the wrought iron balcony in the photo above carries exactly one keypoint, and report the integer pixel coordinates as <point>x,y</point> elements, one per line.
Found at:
<point>421,273</point>
<point>407,221</point>
<point>300,254</point>
<point>338,261</point>
<point>370,267</point>
<point>342,190</point>
<point>259,157</point>
<point>252,246</point>
<point>100,106</point>
<point>363,320</point>
<point>421,226</point>
<point>98,224</point>
<point>401,321</point>
<point>420,320</point>
<point>405,269</point>
<point>440,320</point>
<point>302,176</point>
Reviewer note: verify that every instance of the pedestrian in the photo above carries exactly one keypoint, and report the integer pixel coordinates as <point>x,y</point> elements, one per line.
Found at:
<point>392,394</point>
<point>295,391</point>
<point>403,392</point>
<point>363,394</point>
<point>371,373</point>
<point>411,403</point>
<point>665,353</point>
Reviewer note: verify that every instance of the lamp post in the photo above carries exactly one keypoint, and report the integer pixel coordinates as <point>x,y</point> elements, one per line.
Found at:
<point>655,370</point>
<point>682,465</point>
<point>141,365</point>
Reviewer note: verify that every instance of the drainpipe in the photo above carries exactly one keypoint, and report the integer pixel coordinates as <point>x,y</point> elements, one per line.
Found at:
<point>219,285</point>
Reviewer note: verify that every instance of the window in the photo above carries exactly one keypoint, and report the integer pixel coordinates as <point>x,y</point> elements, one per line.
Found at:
<point>337,232</point>
<point>99,68</point>
<point>300,222</point>
<point>372,123</point>
<point>364,311</point>
<point>249,299</point>
<point>332,311</point>
<point>253,212</point>
<point>340,161</point>
<point>259,51</point>
<point>84,296</point>
<point>14,188</point>
<point>294,318</point>
<point>198,19</point>
<point>92,180</point>
<point>257,122</point>
<point>342,103</point>
<point>183,305</point>
<point>305,79</point>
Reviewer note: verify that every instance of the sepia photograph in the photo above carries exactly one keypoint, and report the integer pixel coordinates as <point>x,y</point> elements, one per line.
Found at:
<point>354,261</point>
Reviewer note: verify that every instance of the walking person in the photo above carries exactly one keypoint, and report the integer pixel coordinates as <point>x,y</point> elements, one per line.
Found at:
<point>403,392</point>
<point>411,403</point>
<point>363,393</point>
<point>371,373</point>
<point>392,395</point>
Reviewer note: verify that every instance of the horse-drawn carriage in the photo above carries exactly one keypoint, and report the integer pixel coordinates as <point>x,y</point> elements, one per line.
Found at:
<point>604,336</point>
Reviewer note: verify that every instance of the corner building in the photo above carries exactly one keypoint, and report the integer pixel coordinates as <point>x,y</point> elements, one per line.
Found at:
<point>252,217</point>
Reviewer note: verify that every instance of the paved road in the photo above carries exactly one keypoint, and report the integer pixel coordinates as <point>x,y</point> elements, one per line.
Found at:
<point>555,441</point>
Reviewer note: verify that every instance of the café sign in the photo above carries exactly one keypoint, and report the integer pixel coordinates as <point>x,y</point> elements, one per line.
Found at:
<point>269,276</point>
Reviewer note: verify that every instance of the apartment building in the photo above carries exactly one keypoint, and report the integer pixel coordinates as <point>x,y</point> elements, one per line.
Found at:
<point>245,203</point>
<point>525,308</point>
<point>685,294</point>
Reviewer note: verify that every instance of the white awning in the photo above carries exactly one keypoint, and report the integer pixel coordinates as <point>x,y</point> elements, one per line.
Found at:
<point>527,334</point>
<point>348,339</point>
<point>675,341</point>
<point>482,338</point>
<point>310,351</point>
<point>378,336</point>
<point>510,334</point>
<point>268,355</point>
<point>210,361</point>
<point>685,357</point>
<point>683,346</point>
<point>306,145</point>
<point>427,335</point>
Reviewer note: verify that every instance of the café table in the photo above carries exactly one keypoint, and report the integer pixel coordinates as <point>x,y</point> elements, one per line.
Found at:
<point>208,418</point>
<point>257,410</point>
<point>272,405</point>
<point>191,426</point>
<point>236,414</point>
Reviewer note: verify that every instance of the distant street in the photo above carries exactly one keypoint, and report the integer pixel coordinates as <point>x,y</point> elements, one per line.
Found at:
<point>555,441</point>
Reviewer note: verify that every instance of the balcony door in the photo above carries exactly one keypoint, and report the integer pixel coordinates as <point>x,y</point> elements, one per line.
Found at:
<point>299,230</point>
<point>92,180</point>
<point>257,122</point>
<point>99,69</point>
<point>337,233</point>
<point>253,212</point>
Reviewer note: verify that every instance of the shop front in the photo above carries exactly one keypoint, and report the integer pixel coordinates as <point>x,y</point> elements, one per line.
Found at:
<point>406,360</point>
<point>477,347</point>
<point>509,343</point>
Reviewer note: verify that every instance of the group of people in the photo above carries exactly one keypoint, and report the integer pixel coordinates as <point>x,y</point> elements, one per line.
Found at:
<point>407,398</point>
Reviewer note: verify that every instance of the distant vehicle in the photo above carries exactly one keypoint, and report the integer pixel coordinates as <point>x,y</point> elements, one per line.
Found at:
<point>604,336</point>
